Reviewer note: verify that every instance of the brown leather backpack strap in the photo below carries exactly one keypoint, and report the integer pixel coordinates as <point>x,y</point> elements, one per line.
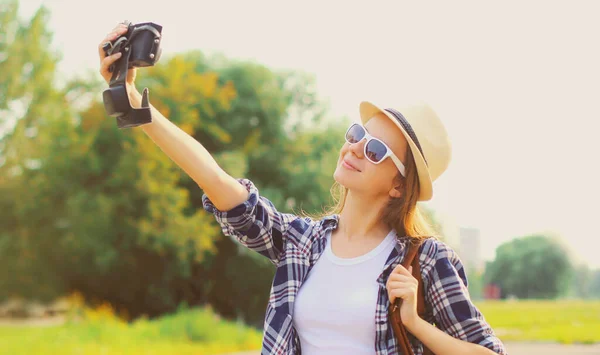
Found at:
<point>416,272</point>
<point>400,332</point>
<point>394,309</point>
<point>411,258</point>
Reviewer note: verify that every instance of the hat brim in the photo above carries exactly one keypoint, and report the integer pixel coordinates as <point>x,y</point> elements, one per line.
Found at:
<point>367,111</point>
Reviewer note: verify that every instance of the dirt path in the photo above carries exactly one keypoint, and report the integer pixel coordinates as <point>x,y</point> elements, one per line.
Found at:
<point>528,349</point>
<point>551,349</point>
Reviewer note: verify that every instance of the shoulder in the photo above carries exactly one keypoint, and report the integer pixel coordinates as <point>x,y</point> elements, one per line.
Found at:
<point>433,249</point>
<point>305,223</point>
<point>308,233</point>
<point>437,257</point>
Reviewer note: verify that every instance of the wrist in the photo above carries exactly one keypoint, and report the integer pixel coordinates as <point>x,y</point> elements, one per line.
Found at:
<point>135,98</point>
<point>414,324</point>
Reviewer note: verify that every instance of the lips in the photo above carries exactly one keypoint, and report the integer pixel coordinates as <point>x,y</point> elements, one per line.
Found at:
<point>351,165</point>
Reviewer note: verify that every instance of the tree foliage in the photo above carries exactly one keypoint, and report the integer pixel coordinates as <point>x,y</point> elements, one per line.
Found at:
<point>30,109</point>
<point>105,212</point>
<point>91,208</point>
<point>535,266</point>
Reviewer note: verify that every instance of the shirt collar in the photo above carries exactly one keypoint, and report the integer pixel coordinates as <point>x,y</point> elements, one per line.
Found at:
<point>394,259</point>
<point>397,254</point>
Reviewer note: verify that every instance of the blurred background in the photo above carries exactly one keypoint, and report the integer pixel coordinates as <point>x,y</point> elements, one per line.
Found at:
<point>105,247</point>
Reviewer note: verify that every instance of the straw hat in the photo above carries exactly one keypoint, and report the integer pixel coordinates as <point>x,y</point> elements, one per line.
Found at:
<point>426,136</point>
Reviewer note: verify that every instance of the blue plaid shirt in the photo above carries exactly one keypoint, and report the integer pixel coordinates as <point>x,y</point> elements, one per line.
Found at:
<point>294,244</point>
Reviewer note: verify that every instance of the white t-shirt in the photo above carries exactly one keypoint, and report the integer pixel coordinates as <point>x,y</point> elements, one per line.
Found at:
<point>334,312</point>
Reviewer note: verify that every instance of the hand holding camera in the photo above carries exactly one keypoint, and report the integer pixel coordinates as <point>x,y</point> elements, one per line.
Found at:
<point>123,50</point>
<point>107,61</point>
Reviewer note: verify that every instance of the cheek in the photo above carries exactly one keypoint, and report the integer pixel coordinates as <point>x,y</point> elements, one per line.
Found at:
<point>343,151</point>
<point>382,174</point>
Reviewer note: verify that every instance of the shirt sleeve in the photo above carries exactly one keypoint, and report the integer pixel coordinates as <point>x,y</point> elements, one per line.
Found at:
<point>452,308</point>
<point>255,223</point>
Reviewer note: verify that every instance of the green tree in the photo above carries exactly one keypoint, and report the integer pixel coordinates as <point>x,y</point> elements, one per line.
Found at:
<point>30,109</point>
<point>105,212</point>
<point>535,266</point>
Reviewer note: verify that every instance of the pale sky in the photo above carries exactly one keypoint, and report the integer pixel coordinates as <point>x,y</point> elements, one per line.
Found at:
<point>517,84</point>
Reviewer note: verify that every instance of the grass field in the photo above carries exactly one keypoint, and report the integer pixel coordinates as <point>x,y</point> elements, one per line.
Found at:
<point>200,331</point>
<point>557,321</point>
<point>195,331</point>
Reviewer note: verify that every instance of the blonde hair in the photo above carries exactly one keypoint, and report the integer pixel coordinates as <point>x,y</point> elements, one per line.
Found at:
<point>403,214</point>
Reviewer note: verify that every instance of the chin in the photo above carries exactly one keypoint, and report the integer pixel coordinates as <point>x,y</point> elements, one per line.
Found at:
<point>344,177</point>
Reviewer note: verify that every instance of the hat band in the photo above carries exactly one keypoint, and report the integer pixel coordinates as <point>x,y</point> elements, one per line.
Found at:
<point>408,129</point>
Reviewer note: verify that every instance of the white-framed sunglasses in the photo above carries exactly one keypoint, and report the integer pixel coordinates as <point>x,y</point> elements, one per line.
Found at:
<point>375,150</point>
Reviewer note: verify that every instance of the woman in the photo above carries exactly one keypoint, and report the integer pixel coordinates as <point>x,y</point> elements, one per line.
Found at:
<point>337,275</point>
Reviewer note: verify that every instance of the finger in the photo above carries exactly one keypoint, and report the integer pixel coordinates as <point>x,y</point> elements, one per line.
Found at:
<point>397,284</point>
<point>109,38</point>
<point>405,283</point>
<point>399,269</point>
<point>403,292</point>
<point>410,269</point>
<point>116,32</point>
<point>119,27</point>
<point>107,62</point>
<point>111,59</point>
<point>400,282</point>
<point>402,277</point>
<point>399,293</point>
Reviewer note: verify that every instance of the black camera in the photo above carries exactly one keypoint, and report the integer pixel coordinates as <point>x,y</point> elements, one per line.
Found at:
<point>140,47</point>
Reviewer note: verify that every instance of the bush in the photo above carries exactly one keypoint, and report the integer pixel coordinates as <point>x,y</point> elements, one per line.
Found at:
<point>101,331</point>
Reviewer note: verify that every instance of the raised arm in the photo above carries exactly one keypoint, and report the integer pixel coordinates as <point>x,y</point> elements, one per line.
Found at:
<point>189,154</point>
<point>236,204</point>
<point>252,219</point>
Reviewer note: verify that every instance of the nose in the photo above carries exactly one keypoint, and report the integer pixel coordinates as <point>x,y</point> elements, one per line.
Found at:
<point>358,148</point>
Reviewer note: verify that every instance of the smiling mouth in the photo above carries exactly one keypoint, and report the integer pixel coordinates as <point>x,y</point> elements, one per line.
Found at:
<point>349,166</point>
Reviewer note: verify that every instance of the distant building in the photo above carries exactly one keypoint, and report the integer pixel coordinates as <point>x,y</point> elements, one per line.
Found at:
<point>469,248</point>
<point>466,241</point>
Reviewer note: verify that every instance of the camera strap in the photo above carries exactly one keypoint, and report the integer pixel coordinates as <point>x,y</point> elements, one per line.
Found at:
<point>116,100</point>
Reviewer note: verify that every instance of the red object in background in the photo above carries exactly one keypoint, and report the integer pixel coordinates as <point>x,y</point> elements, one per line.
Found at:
<point>491,291</point>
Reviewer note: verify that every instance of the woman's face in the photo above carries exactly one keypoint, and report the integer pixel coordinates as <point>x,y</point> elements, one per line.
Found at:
<point>369,178</point>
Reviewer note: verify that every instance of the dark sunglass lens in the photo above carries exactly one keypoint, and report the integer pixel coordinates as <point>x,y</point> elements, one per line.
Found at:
<point>376,150</point>
<point>355,134</point>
